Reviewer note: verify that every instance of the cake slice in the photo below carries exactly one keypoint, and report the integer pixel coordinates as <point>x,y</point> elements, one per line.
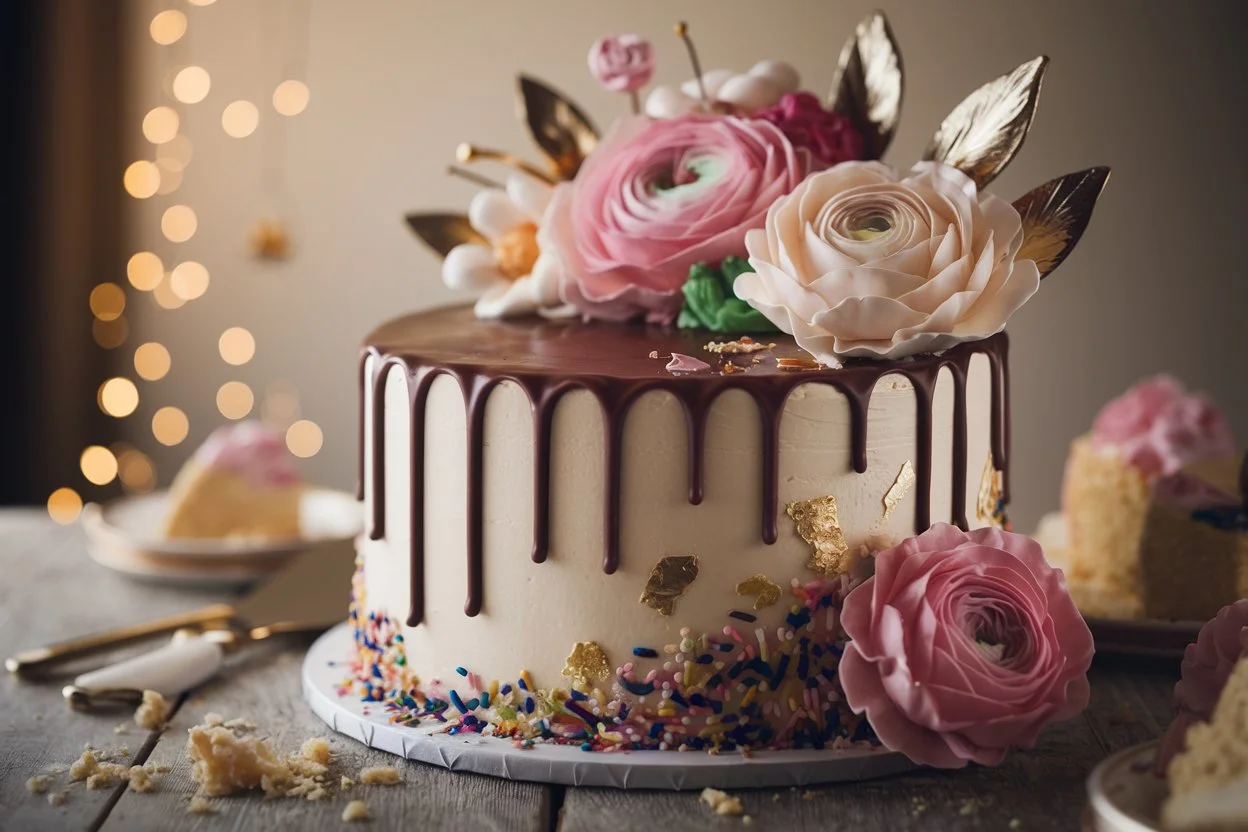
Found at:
<point>242,482</point>
<point>1209,781</point>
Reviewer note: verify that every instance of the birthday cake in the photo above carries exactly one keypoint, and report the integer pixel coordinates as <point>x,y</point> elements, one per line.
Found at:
<point>720,456</point>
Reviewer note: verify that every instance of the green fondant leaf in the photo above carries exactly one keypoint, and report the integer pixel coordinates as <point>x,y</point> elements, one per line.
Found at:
<point>710,304</point>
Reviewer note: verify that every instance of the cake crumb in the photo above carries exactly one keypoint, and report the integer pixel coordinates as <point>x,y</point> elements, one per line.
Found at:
<point>742,346</point>
<point>1015,823</point>
<point>240,725</point>
<point>654,353</point>
<point>152,712</point>
<point>379,776</point>
<point>84,766</point>
<point>123,728</point>
<point>316,749</point>
<point>346,782</point>
<point>213,719</point>
<point>58,798</point>
<point>747,820</point>
<point>200,805</point>
<point>38,784</point>
<point>356,810</point>
<point>140,780</point>
<point>721,803</point>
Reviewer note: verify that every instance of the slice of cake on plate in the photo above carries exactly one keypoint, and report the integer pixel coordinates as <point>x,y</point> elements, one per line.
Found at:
<point>241,483</point>
<point>1153,508</point>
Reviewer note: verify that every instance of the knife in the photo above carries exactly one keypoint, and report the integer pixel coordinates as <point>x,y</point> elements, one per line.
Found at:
<point>309,595</point>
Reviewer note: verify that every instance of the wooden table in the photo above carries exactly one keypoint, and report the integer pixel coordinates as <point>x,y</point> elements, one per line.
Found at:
<point>50,589</point>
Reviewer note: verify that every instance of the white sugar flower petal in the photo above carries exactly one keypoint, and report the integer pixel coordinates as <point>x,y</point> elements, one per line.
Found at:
<point>669,102</point>
<point>749,92</point>
<point>529,195</point>
<point>712,79</point>
<point>508,300</point>
<point>493,214</point>
<point>471,266</point>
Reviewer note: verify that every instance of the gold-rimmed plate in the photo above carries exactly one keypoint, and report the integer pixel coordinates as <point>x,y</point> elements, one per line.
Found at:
<point>125,535</point>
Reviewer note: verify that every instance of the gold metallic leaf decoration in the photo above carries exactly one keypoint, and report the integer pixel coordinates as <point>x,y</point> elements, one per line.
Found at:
<point>988,505</point>
<point>899,489</point>
<point>867,87</point>
<point>442,232</point>
<point>587,663</point>
<point>668,580</point>
<point>817,523</point>
<point>562,131</point>
<point>985,131</point>
<point>765,591</point>
<point>1056,214</point>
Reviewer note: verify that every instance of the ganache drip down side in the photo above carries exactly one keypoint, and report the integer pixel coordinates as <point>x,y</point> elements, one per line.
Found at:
<point>477,375</point>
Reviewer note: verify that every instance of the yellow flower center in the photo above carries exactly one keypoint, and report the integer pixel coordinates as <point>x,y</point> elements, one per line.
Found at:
<point>516,251</point>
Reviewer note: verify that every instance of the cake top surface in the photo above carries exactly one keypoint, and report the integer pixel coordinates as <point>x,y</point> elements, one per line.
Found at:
<point>454,337</point>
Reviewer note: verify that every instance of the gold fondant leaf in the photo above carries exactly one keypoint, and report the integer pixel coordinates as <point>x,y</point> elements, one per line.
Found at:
<point>988,505</point>
<point>817,523</point>
<point>985,131</point>
<point>668,580</point>
<point>765,591</point>
<point>587,663</point>
<point>1056,214</point>
<point>442,232</point>
<point>899,489</point>
<point>868,84</point>
<point>562,131</point>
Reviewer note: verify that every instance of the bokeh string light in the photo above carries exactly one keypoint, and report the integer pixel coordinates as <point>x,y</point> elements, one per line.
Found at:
<point>171,285</point>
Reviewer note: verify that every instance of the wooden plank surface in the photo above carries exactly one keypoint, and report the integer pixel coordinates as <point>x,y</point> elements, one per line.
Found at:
<point>50,590</point>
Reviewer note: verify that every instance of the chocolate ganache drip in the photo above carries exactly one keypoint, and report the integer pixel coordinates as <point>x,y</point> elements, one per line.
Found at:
<point>547,359</point>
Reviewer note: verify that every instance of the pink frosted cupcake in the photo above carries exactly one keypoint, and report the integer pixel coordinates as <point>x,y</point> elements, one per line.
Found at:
<point>242,482</point>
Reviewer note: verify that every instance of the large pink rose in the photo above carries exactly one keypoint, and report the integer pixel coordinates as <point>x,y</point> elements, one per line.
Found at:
<point>1207,664</point>
<point>654,198</point>
<point>1159,427</point>
<point>963,646</point>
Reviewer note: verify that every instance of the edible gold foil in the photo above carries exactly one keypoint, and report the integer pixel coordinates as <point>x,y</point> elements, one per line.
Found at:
<point>442,232</point>
<point>1056,214</point>
<point>898,490</point>
<point>668,580</point>
<point>987,506</point>
<point>867,86</point>
<point>587,663</point>
<point>983,133</point>
<point>817,523</point>
<point>561,130</point>
<point>765,591</point>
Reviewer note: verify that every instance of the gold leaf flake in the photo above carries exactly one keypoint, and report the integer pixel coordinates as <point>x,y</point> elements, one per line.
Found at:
<point>562,131</point>
<point>743,345</point>
<point>668,580</point>
<point>1056,214</point>
<point>817,523</point>
<point>985,131</point>
<point>587,663</point>
<point>799,364</point>
<point>868,84</point>
<point>442,232</point>
<point>899,489</point>
<point>765,591</point>
<point>988,505</point>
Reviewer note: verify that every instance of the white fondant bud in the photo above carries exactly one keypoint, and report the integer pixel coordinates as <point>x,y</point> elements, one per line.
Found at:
<point>713,79</point>
<point>669,102</point>
<point>749,92</point>
<point>784,76</point>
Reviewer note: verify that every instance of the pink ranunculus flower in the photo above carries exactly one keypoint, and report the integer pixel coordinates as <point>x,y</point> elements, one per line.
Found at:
<point>964,644</point>
<point>1160,427</point>
<point>831,136</point>
<point>622,64</point>
<point>656,197</point>
<point>1207,664</point>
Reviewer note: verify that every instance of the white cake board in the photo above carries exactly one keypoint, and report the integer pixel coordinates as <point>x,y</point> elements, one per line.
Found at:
<point>324,668</point>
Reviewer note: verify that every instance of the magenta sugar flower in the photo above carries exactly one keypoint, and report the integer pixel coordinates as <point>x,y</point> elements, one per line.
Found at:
<point>964,644</point>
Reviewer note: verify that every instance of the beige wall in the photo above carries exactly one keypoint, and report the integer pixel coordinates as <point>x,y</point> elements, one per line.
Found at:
<point>1142,86</point>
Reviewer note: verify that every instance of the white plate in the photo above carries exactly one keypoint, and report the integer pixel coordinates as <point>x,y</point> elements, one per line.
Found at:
<point>325,667</point>
<point>1123,793</point>
<point>125,535</point>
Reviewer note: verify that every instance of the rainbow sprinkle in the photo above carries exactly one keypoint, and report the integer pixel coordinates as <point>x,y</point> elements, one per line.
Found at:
<point>714,692</point>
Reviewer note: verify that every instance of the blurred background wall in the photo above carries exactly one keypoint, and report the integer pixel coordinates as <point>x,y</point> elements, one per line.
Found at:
<point>1152,88</point>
